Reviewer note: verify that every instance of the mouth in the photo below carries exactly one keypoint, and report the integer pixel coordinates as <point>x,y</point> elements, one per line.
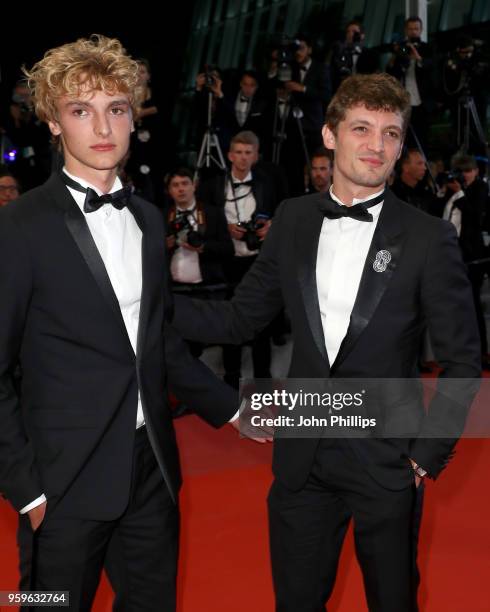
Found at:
<point>373,162</point>
<point>103,147</point>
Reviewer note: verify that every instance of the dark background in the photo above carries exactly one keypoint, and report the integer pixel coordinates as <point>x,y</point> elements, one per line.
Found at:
<point>158,34</point>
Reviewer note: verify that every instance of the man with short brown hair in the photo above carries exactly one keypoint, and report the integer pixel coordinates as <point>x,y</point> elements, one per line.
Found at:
<point>360,273</point>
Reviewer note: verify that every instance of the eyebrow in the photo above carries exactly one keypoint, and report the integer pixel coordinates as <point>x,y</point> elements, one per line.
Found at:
<point>369,123</point>
<point>88,104</point>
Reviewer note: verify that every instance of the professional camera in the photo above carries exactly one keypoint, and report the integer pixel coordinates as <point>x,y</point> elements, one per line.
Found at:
<point>403,51</point>
<point>286,57</point>
<point>250,237</point>
<point>182,229</point>
<point>210,74</point>
<point>453,175</point>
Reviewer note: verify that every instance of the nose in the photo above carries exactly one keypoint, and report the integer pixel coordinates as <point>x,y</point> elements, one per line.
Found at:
<point>102,126</point>
<point>376,142</point>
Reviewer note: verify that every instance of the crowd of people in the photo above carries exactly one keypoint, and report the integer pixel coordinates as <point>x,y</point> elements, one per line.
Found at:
<point>264,144</point>
<point>95,284</point>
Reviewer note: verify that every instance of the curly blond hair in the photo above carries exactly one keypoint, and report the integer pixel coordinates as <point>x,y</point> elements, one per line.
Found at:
<point>95,63</point>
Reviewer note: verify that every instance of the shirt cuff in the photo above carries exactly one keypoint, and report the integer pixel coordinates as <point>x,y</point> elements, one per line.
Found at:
<point>37,502</point>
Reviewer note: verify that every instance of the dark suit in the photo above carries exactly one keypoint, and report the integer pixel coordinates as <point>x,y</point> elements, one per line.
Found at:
<point>218,247</point>
<point>425,282</point>
<point>226,121</point>
<point>73,435</point>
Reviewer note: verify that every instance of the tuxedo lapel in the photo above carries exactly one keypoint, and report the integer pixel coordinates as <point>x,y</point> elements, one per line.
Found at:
<point>78,228</point>
<point>375,279</point>
<point>307,237</point>
<point>147,271</point>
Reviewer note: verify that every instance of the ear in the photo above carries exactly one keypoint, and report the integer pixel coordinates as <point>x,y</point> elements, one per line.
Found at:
<point>401,149</point>
<point>230,156</point>
<point>329,139</point>
<point>132,126</point>
<point>54,128</point>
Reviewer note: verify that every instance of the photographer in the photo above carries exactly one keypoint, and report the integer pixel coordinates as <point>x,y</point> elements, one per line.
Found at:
<point>30,137</point>
<point>197,237</point>
<point>410,185</point>
<point>412,64</point>
<point>248,200</point>
<point>466,210</point>
<point>466,72</point>
<point>303,91</point>
<point>351,56</point>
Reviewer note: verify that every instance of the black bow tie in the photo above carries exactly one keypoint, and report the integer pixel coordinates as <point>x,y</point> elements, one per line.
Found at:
<point>244,184</point>
<point>244,99</point>
<point>119,199</point>
<point>303,68</point>
<point>332,210</point>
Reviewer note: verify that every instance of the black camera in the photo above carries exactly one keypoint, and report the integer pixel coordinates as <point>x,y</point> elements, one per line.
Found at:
<point>453,175</point>
<point>210,73</point>
<point>286,55</point>
<point>250,237</point>
<point>182,229</point>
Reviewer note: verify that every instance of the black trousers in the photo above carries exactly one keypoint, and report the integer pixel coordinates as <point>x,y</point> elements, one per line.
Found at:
<point>307,529</point>
<point>138,551</point>
<point>261,345</point>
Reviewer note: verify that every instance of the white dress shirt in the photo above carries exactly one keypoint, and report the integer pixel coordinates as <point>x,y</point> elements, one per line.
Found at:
<point>118,239</point>
<point>452,213</point>
<point>342,250</point>
<point>185,267</point>
<point>246,207</point>
<point>411,84</point>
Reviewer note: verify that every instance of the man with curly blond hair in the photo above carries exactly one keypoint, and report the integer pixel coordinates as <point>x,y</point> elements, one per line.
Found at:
<point>87,452</point>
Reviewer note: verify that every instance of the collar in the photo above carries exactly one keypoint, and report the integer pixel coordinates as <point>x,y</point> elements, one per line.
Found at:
<point>190,208</point>
<point>236,180</point>
<point>79,197</point>
<point>374,210</point>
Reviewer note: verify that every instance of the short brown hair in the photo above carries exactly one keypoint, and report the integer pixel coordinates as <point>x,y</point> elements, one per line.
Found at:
<point>246,137</point>
<point>375,92</point>
<point>464,162</point>
<point>98,62</point>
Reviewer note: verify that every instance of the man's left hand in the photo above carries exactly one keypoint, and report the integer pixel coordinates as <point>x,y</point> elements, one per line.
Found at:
<point>263,229</point>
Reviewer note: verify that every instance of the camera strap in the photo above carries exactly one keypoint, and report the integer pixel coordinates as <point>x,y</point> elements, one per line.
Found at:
<point>235,199</point>
<point>196,212</point>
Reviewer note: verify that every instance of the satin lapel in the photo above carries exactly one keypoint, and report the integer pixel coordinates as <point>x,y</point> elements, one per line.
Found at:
<point>307,237</point>
<point>78,228</point>
<point>387,237</point>
<point>138,214</point>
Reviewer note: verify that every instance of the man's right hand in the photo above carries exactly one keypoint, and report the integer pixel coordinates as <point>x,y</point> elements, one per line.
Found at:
<point>36,515</point>
<point>236,232</point>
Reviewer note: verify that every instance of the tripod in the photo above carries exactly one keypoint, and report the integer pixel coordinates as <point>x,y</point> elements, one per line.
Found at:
<point>209,143</point>
<point>424,157</point>
<point>279,129</point>
<point>467,112</point>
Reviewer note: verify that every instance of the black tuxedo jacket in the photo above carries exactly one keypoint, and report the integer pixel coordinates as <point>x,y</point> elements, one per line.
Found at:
<point>314,100</point>
<point>71,434</point>
<point>425,284</point>
<point>226,121</point>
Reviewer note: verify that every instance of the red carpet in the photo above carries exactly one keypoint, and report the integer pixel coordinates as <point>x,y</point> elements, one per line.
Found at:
<point>224,557</point>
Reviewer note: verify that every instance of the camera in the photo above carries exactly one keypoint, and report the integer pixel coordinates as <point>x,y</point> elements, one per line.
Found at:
<point>453,175</point>
<point>250,237</point>
<point>286,57</point>
<point>182,229</point>
<point>210,73</point>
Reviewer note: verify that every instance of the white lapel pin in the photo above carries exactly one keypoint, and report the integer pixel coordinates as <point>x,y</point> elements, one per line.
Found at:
<point>382,260</point>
